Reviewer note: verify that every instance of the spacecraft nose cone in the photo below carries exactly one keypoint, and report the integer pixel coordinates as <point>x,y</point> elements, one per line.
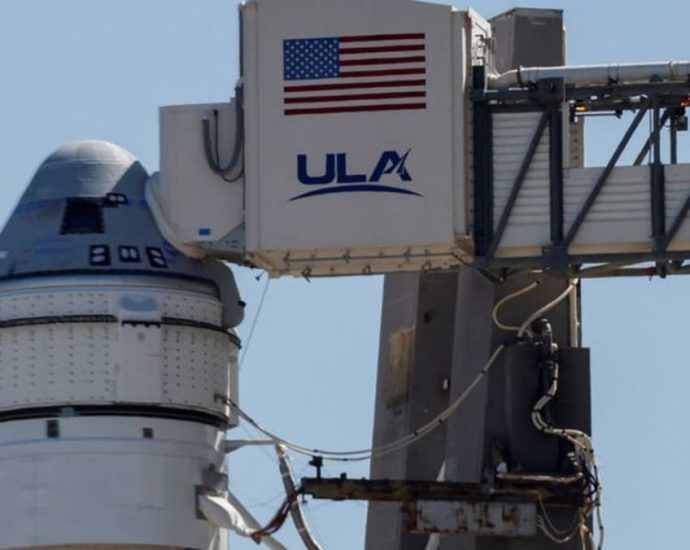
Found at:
<point>90,150</point>
<point>102,317</point>
<point>85,213</point>
<point>84,208</point>
<point>83,168</point>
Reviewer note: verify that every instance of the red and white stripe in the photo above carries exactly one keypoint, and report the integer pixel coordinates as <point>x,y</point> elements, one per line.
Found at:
<point>383,72</point>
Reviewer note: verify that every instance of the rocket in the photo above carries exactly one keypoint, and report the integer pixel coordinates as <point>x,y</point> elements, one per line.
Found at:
<point>118,357</point>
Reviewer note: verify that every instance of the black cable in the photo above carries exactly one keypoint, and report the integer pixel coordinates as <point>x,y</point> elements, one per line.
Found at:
<point>233,180</point>
<point>217,146</point>
<point>210,147</point>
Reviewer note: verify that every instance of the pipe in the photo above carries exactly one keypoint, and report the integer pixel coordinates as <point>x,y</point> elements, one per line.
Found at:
<point>593,74</point>
<point>229,513</point>
<point>537,479</point>
<point>298,518</point>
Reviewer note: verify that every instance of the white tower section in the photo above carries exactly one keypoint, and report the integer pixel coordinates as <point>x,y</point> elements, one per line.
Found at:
<point>352,121</point>
<point>117,356</point>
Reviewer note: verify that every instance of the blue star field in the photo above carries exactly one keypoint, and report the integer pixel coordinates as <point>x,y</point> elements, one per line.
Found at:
<point>311,58</point>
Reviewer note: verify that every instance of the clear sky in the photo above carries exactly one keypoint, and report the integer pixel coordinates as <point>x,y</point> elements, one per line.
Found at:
<point>77,69</point>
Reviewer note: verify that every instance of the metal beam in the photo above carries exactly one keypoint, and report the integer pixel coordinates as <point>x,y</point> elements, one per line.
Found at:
<point>517,185</point>
<point>648,143</point>
<point>601,181</point>
<point>556,172</point>
<point>551,490</point>
<point>628,258</point>
<point>658,184</point>
<point>676,225</point>
<point>483,168</point>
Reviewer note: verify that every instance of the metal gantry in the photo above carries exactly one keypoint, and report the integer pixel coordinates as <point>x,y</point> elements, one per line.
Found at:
<point>664,102</point>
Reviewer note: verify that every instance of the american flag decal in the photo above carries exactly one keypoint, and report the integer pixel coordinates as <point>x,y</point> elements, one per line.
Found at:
<point>350,74</point>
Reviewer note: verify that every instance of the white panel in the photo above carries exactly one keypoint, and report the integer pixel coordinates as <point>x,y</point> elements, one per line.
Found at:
<point>105,362</point>
<point>529,220</point>
<point>106,300</point>
<point>620,219</point>
<point>140,356</point>
<point>470,34</point>
<point>192,307</point>
<point>49,364</point>
<point>677,192</point>
<point>102,482</point>
<point>52,302</point>
<point>350,221</point>
<point>197,203</point>
<point>140,368</point>
<point>468,29</point>
<point>197,366</point>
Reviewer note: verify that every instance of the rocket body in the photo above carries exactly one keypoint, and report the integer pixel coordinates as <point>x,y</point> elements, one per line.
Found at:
<point>117,356</point>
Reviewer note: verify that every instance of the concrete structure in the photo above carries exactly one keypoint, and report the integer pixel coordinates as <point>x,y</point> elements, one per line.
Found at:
<point>437,332</point>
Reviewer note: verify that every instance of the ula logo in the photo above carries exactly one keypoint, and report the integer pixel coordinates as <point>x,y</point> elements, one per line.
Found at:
<point>335,177</point>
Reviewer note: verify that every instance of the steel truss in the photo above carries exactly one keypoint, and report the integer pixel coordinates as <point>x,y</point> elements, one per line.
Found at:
<point>666,101</point>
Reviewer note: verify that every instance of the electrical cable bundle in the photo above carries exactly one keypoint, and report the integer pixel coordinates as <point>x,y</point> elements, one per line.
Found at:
<point>583,456</point>
<point>424,430</point>
<point>279,518</point>
<point>380,450</point>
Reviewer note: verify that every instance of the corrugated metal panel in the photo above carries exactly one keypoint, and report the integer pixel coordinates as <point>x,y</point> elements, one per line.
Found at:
<point>677,191</point>
<point>620,217</point>
<point>618,222</point>
<point>529,221</point>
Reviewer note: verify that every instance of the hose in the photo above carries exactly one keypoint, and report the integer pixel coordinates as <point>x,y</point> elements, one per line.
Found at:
<point>211,149</point>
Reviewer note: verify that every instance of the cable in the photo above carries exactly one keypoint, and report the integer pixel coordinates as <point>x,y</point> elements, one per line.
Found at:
<point>524,328</point>
<point>582,443</point>
<point>507,298</point>
<point>209,147</point>
<point>424,430</point>
<point>365,454</point>
<point>549,522</point>
<point>556,537</point>
<point>279,518</point>
<point>584,451</point>
<point>553,303</point>
<point>597,505</point>
<point>239,176</point>
<point>298,516</point>
<point>583,456</point>
<point>254,322</point>
<point>267,503</point>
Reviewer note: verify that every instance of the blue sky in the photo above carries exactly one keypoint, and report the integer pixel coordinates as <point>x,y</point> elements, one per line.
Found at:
<point>79,69</point>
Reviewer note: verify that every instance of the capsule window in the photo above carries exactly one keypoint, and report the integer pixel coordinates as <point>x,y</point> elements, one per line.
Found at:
<point>82,216</point>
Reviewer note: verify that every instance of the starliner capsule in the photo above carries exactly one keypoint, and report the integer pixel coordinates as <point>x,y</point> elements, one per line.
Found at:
<point>117,361</point>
